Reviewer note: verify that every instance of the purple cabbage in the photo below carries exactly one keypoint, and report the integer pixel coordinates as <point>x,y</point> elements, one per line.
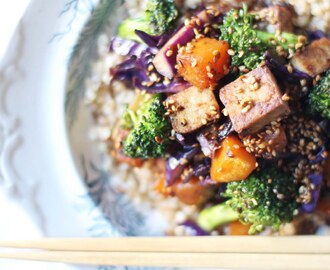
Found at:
<point>208,140</point>
<point>225,129</point>
<point>153,41</point>
<point>319,156</point>
<point>316,179</point>
<point>134,70</point>
<point>194,229</point>
<point>203,167</point>
<point>281,71</point>
<point>207,181</point>
<point>175,165</point>
<point>315,35</point>
<point>126,47</point>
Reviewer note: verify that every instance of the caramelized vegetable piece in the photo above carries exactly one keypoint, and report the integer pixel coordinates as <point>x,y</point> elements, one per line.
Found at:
<point>134,162</point>
<point>162,188</point>
<point>165,59</point>
<point>232,162</point>
<point>192,192</point>
<point>203,62</point>
<point>237,228</point>
<point>191,109</point>
<point>314,59</point>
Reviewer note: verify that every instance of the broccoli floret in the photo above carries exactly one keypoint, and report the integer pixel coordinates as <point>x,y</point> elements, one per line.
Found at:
<point>248,43</point>
<point>149,130</point>
<point>319,97</point>
<point>157,18</point>
<point>266,198</point>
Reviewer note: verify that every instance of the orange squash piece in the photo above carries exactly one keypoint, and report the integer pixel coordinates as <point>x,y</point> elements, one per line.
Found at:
<point>191,193</point>
<point>203,62</point>
<point>238,228</point>
<point>232,162</point>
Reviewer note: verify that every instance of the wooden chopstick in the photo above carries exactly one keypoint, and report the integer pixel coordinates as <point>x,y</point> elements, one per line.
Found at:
<point>221,244</point>
<point>173,259</point>
<point>299,252</point>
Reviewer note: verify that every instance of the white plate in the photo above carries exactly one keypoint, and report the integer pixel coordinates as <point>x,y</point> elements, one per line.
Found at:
<point>36,160</point>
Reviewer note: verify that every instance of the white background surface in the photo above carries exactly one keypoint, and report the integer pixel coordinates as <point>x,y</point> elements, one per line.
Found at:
<point>15,223</point>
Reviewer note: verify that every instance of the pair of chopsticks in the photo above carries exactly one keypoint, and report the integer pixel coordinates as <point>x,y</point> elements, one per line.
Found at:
<point>299,252</point>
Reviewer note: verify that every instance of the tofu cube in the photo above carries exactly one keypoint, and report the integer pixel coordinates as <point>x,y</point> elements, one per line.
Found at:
<point>253,101</point>
<point>314,59</point>
<point>277,18</point>
<point>191,109</point>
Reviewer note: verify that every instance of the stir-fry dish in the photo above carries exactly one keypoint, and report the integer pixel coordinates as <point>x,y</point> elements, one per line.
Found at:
<point>231,112</point>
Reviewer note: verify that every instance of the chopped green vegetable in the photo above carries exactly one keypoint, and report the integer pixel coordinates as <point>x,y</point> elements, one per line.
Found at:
<point>319,98</point>
<point>249,44</point>
<point>157,18</point>
<point>149,130</point>
<point>266,198</point>
<point>215,216</point>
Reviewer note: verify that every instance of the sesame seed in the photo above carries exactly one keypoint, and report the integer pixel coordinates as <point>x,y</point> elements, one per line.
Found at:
<point>196,32</point>
<point>231,52</point>
<point>208,68</point>
<point>183,161</point>
<point>302,39</point>
<point>236,146</point>
<point>246,108</point>
<point>239,90</point>
<point>290,68</point>
<point>303,82</point>
<point>158,139</point>
<point>169,53</point>
<point>225,112</point>
<point>285,97</point>
<point>215,52</point>
<point>254,201</point>
<point>194,63</point>
<point>150,67</point>
<point>210,75</point>
<point>204,121</point>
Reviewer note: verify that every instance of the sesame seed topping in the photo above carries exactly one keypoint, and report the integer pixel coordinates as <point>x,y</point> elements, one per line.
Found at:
<point>169,53</point>
<point>290,68</point>
<point>231,52</point>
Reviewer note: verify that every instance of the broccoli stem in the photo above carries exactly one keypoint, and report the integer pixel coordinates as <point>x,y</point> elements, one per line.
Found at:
<point>127,28</point>
<point>285,40</point>
<point>215,216</point>
<point>133,116</point>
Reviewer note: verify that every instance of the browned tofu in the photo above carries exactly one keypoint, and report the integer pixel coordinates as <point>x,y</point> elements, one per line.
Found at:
<point>253,101</point>
<point>191,109</point>
<point>314,59</point>
<point>277,18</point>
